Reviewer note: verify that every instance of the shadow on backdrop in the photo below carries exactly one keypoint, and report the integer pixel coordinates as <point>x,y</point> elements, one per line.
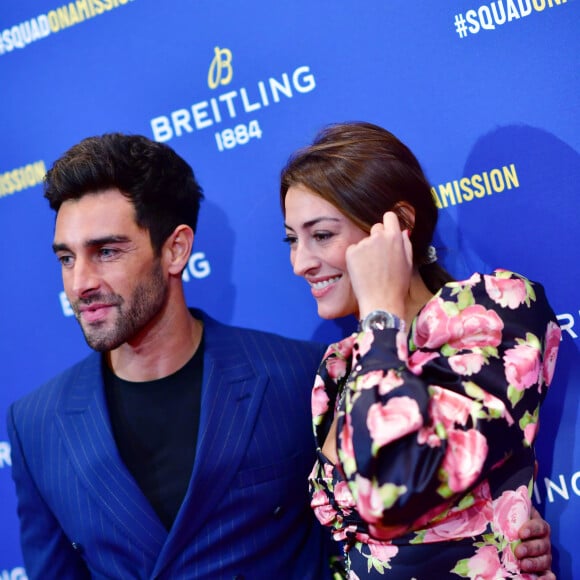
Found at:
<point>530,229</point>
<point>213,248</point>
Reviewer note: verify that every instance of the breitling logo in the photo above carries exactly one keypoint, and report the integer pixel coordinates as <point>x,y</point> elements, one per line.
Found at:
<point>220,70</point>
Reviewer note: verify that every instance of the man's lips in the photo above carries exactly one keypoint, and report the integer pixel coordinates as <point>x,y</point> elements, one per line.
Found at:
<point>94,312</point>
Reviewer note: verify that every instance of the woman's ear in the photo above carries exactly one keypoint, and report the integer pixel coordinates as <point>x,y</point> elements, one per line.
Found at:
<point>406,214</point>
<point>177,249</point>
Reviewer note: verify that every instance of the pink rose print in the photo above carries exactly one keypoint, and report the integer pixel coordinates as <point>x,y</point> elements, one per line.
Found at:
<point>464,458</point>
<point>391,381</point>
<point>386,533</point>
<point>464,523</point>
<point>323,511</point>
<point>428,436</point>
<point>510,511</point>
<point>469,283</point>
<point>530,431</point>
<point>336,367</point>
<point>383,551</point>
<point>365,341</point>
<point>522,366</point>
<point>466,364</point>
<point>485,565</point>
<point>328,469</point>
<point>511,565</point>
<point>418,360</point>
<point>449,408</point>
<point>507,292</point>
<point>552,341</point>
<point>342,348</point>
<point>319,399</point>
<point>476,327</point>
<point>398,417</point>
<point>343,496</point>
<point>340,534</point>
<point>369,502</point>
<point>433,326</point>
<point>402,346</point>
<point>369,380</point>
<point>497,405</point>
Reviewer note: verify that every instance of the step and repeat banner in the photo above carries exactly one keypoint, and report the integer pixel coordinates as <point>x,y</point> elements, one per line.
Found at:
<point>486,93</point>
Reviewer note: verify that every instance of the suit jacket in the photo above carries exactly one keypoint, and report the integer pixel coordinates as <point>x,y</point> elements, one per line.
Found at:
<point>246,512</point>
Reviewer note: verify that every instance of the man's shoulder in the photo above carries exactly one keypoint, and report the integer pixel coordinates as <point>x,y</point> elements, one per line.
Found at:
<point>277,339</point>
<point>53,390</point>
<point>261,338</point>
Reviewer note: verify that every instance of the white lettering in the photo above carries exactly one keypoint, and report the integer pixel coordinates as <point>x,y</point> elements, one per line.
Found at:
<point>512,11</point>
<point>229,105</point>
<point>198,266</point>
<point>485,18</point>
<point>228,97</point>
<point>5,459</point>
<point>65,304</point>
<point>566,322</point>
<point>525,10</point>
<point>14,574</point>
<point>303,82</point>
<point>574,482</point>
<point>248,107</point>
<point>180,121</point>
<point>562,491</point>
<point>200,115</point>
<point>161,129</point>
<point>471,17</point>
<point>498,18</point>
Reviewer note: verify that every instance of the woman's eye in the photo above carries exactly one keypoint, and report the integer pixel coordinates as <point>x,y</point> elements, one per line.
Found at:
<point>322,236</point>
<point>290,240</point>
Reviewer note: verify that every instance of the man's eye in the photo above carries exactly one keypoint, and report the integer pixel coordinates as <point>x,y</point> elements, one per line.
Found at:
<point>107,252</point>
<point>65,260</point>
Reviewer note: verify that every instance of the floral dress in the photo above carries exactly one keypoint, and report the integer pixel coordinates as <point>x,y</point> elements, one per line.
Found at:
<point>435,433</point>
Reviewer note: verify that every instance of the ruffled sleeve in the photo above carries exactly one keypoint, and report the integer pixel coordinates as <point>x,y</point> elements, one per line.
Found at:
<point>428,415</point>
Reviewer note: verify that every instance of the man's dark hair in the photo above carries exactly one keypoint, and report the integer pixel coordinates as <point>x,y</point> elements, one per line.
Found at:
<point>159,183</point>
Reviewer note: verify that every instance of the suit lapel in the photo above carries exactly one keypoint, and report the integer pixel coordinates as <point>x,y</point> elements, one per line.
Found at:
<point>85,427</point>
<point>232,393</point>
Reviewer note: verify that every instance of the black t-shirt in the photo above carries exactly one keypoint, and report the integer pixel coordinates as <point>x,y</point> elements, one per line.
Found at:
<point>155,425</point>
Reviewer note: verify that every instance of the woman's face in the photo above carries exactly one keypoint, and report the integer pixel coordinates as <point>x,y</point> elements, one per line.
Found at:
<point>318,235</point>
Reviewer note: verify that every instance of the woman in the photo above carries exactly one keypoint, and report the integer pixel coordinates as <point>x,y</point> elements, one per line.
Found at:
<point>424,419</point>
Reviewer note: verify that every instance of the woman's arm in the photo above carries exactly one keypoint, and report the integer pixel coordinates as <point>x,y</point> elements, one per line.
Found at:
<point>418,431</point>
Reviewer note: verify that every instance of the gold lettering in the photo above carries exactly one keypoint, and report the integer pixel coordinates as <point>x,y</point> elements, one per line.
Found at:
<point>497,180</point>
<point>511,176</point>
<point>465,183</point>
<point>446,192</point>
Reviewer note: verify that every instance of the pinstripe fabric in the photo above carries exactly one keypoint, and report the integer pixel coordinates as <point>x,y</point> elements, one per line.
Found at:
<point>246,510</point>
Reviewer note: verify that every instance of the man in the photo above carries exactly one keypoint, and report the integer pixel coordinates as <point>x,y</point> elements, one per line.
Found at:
<point>181,447</point>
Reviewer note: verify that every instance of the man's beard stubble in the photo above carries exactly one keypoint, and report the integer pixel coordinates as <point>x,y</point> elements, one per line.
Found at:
<point>144,304</point>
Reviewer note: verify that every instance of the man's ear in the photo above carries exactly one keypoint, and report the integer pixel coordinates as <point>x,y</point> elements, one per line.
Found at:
<point>406,214</point>
<point>177,249</point>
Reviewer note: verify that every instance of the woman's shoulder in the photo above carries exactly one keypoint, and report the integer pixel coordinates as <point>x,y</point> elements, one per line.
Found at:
<point>504,288</point>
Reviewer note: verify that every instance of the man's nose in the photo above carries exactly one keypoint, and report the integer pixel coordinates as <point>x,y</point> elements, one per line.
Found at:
<point>84,277</point>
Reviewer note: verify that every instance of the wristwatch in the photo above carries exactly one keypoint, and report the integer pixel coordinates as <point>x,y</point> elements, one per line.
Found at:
<point>381,319</point>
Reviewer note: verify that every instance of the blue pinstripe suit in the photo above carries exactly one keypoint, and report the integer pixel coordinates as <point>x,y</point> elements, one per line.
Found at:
<point>246,512</point>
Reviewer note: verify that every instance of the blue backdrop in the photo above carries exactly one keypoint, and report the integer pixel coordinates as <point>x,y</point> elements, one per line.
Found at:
<point>487,94</point>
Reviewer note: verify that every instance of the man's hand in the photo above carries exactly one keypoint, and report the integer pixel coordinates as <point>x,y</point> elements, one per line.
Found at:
<point>535,551</point>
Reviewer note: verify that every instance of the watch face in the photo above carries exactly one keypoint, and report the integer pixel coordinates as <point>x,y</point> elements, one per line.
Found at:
<point>381,319</point>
